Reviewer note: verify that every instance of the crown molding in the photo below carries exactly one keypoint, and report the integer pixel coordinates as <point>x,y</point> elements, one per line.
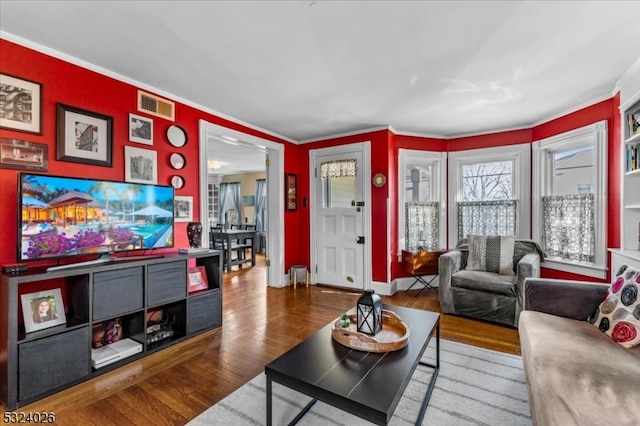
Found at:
<point>138,84</point>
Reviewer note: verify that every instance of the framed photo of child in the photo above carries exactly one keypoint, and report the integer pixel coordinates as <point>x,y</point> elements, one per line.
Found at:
<point>42,309</point>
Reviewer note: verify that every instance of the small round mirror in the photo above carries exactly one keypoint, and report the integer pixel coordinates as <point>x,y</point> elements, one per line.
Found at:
<point>177,182</point>
<point>176,136</point>
<point>177,161</point>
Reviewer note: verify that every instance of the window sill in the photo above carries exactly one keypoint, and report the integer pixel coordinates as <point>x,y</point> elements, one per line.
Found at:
<point>580,268</point>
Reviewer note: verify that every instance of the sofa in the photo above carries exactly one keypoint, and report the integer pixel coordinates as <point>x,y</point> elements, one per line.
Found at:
<point>489,296</point>
<point>575,373</point>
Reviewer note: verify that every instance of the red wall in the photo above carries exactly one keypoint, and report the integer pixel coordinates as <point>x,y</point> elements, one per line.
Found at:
<point>66,83</point>
<point>76,86</point>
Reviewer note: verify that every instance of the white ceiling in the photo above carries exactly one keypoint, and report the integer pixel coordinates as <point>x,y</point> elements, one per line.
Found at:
<point>308,69</point>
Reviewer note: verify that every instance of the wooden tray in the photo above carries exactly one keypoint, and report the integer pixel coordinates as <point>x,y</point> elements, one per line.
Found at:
<point>393,336</point>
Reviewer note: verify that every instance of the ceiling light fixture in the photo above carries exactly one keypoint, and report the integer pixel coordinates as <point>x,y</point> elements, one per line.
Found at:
<point>213,165</point>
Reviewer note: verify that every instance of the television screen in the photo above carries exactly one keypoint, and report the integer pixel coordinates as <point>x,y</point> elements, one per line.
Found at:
<point>63,216</point>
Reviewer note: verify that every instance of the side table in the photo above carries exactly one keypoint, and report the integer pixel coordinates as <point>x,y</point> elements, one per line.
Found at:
<point>420,264</point>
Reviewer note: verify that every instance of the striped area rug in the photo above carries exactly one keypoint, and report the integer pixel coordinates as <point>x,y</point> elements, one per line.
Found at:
<point>475,387</point>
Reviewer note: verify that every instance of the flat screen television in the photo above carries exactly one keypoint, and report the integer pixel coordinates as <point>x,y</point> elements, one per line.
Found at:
<point>60,217</point>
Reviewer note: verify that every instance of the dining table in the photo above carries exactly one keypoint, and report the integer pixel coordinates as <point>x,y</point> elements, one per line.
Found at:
<point>239,240</point>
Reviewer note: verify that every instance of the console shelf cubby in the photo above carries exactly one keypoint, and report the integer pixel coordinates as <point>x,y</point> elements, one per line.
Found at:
<point>40,363</point>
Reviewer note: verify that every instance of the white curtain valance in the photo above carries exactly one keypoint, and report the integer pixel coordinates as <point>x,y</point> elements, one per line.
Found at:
<point>338,168</point>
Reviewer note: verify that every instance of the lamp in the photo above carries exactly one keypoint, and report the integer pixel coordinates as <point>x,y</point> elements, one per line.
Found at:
<point>369,313</point>
<point>213,165</point>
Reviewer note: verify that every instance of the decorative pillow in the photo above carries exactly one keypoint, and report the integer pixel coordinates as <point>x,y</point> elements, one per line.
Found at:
<point>491,254</point>
<point>618,316</point>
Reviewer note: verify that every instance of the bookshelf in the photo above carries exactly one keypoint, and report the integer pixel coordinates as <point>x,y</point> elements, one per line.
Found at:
<point>629,251</point>
<point>39,363</point>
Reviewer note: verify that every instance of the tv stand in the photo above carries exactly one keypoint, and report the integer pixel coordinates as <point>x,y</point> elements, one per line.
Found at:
<point>105,258</point>
<point>127,290</point>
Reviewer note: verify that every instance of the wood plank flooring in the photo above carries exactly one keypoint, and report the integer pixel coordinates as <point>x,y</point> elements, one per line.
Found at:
<point>173,386</point>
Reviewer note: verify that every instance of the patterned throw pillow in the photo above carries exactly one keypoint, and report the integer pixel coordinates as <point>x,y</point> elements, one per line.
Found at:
<point>618,316</point>
<point>491,254</point>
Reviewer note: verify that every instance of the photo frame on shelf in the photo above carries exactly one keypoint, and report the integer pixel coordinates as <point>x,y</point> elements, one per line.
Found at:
<point>42,309</point>
<point>23,155</point>
<point>106,333</point>
<point>140,165</point>
<point>183,208</point>
<point>291,191</point>
<point>84,136</point>
<point>140,129</point>
<point>197,279</point>
<point>20,104</point>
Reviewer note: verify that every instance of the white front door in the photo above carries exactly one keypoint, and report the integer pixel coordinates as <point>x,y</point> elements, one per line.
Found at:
<point>339,216</point>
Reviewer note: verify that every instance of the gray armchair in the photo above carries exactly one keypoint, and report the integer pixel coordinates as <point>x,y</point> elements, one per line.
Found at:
<point>486,295</point>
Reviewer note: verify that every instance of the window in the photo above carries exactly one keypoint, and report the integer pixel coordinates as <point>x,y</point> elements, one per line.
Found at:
<point>338,182</point>
<point>421,212</point>
<point>489,192</point>
<point>569,199</point>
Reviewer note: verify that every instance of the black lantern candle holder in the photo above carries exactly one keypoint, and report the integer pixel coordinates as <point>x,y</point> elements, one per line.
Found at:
<point>369,313</point>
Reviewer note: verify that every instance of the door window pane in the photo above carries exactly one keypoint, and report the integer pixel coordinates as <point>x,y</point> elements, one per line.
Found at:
<point>338,191</point>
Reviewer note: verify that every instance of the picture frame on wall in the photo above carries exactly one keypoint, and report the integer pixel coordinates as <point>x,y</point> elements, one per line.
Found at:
<point>23,155</point>
<point>20,104</point>
<point>291,191</point>
<point>183,208</point>
<point>140,165</point>
<point>42,309</point>
<point>84,136</point>
<point>140,129</point>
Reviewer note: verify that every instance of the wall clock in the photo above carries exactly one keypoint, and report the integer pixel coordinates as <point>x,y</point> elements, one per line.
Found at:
<point>379,180</point>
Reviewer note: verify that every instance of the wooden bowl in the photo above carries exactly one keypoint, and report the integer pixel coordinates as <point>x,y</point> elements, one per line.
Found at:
<point>393,336</point>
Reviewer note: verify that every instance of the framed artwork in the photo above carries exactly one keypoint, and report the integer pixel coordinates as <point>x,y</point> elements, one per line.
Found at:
<point>291,191</point>
<point>23,155</point>
<point>248,200</point>
<point>140,165</point>
<point>42,309</point>
<point>106,333</point>
<point>84,136</point>
<point>182,208</point>
<point>20,104</point>
<point>140,129</point>
<point>197,279</point>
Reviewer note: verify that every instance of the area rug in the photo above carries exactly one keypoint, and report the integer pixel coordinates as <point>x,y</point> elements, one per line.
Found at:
<point>475,387</point>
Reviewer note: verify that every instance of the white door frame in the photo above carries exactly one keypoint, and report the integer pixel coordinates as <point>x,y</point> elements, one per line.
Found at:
<point>275,194</point>
<point>365,147</point>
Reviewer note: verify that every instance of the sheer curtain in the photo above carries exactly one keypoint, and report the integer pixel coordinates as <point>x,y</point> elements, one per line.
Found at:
<point>236,198</point>
<point>569,226</point>
<point>260,203</point>
<point>496,217</point>
<point>223,199</point>
<point>422,228</point>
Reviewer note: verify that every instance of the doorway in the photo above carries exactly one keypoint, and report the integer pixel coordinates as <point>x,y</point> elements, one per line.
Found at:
<point>341,216</point>
<point>275,191</point>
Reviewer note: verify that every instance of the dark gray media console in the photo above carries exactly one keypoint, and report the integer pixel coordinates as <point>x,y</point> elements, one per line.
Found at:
<point>37,364</point>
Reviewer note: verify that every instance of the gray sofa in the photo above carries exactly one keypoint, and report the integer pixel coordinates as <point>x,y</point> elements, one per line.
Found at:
<point>576,375</point>
<point>486,295</point>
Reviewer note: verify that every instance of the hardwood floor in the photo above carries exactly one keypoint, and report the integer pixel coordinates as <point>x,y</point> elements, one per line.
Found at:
<point>259,323</point>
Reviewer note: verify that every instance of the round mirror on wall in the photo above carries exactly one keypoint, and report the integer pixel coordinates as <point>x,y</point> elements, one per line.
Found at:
<point>177,182</point>
<point>177,161</point>
<point>176,136</point>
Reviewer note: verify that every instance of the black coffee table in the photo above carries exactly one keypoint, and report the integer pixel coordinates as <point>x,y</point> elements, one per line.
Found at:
<point>366,384</point>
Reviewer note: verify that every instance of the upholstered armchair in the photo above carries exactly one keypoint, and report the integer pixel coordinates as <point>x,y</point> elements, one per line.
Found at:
<point>490,296</point>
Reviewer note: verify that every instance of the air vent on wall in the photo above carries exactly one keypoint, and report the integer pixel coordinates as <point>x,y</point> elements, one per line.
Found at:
<point>154,105</point>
